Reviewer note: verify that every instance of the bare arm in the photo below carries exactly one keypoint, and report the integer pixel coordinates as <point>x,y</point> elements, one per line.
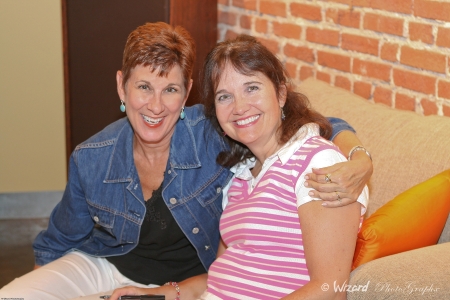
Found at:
<point>347,178</point>
<point>329,238</point>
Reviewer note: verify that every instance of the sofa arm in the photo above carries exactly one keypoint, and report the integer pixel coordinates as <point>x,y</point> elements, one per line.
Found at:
<point>417,274</point>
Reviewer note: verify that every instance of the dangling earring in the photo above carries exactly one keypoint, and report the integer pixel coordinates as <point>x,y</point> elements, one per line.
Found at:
<point>122,106</point>
<point>282,114</point>
<point>182,113</point>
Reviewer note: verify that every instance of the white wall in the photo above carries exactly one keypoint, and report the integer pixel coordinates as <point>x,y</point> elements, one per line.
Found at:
<point>32,132</point>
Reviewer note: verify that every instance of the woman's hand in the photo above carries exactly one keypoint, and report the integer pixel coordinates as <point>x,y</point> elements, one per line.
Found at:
<point>345,183</point>
<point>190,289</point>
<point>132,290</point>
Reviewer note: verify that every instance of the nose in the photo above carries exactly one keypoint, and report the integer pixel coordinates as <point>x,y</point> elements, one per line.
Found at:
<point>240,106</point>
<point>155,104</point>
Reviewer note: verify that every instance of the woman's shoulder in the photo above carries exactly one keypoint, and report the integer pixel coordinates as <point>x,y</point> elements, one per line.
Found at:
<point>195,113</point>
<point>107,135</point>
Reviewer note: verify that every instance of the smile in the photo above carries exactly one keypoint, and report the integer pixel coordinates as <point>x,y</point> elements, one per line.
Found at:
<point>247,121</point>
<point>151,120</point>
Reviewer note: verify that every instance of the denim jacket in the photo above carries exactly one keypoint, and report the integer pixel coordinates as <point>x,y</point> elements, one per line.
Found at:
<point>102,208</point>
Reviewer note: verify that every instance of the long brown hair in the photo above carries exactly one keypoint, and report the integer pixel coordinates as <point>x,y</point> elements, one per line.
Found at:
<point>248,56</point>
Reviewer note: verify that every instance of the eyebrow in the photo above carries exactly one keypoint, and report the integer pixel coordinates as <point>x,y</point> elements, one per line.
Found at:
<point>245,84</point>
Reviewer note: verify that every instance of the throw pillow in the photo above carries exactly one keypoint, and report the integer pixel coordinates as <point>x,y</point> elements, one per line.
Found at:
<point>413,219</point>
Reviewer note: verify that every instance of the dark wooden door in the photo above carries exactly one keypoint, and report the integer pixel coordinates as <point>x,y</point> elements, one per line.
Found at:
<point>95,32</point>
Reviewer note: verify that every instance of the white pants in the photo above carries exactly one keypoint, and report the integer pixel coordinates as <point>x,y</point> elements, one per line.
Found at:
<point>73,276</point>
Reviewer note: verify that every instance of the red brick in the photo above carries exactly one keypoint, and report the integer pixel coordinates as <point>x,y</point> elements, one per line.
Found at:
<point>272,45</point>
<point>443,37</point>
<point>276,8</point>
<point>323,76</point>
<point>333,60</point>
<point>230,34</point>
<point>439,10</point>
<point>288,30</point>
<point>322,36</point>
<point>291,69</point>
<point>423,59</point>
<point>429,107</point>
<point>301,53</point>
<point>414,81</point>
<point>421,32</point>
<point>360,43</point>
<point>362,89</point>
<point>306,11</point>
<point>348,2</point>
<point>245,22</point>
<point>405,102</point>
<point>348,18</point>
<point>382,95</point>
<point>227,18</point>
<point>383,24</point>
<point>444,89</point>
<point>401,6</point>
<point>247,4</point>
<point>389,52</point>
<point>261,25</point>
<point>343,82</point>
<point>306,72</point>
<point>446,110</point>
<point>372,69</point>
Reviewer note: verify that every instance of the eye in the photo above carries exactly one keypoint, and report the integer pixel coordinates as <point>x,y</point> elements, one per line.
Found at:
<point>252,88</point>
<point>223,98</point>
<point>143,87</point>
<point>171,89</point>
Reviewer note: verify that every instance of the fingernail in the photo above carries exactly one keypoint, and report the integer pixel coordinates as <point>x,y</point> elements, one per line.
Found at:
<point>306,177</point>
<point>311,193</point>
<point>324,204</point>
<point>306,183</point>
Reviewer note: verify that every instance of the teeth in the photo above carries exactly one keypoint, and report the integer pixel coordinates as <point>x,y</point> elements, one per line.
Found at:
<point>246,121</point>
<point>150,120</point>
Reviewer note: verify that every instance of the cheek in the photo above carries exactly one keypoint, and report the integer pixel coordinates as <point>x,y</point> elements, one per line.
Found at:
<point>221,116</point>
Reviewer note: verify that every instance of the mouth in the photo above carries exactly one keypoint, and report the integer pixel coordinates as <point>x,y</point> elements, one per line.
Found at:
<point>151,121</point>
<point>247,121</point>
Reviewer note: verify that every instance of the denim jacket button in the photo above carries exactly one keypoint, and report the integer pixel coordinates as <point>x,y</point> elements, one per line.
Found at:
<point>195,230</point>
<point>218,190</point>
<point>96,219</point>
<point>207,247</point>
<point>169,172</point>
<point>173,201</point>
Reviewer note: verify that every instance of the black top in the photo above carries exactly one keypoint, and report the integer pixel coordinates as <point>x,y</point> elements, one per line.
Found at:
<point>163,253</point>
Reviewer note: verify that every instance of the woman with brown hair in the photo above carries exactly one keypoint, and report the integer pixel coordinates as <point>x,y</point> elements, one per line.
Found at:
<point>277,240</point>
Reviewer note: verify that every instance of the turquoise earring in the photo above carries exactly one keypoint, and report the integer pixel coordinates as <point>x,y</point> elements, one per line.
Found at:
<point>182,114</point>
<point>122,106</point>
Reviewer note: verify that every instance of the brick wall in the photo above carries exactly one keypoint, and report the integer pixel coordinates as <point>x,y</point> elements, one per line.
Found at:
<point>392,51</point>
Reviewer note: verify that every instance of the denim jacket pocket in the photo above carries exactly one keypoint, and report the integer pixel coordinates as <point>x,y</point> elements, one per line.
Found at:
<point>103,218</point>
<point>211,196</point>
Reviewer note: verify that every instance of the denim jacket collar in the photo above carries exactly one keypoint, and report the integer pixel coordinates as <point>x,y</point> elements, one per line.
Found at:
<point>183,153</point>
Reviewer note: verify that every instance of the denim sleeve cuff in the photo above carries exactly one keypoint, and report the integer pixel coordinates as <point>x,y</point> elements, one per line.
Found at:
<point>339,125</point>
<point>42,258</point>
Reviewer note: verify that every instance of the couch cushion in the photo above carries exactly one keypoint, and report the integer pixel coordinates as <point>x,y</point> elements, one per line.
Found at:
<point>418,274</point>
<point>413,219</point>
<point>407,148</point>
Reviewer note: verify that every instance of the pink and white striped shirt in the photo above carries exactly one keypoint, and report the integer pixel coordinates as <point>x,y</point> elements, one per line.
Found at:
<point>265,258</point>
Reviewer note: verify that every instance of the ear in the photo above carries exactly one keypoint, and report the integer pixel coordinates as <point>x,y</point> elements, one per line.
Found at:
<point>282,95</point>
<point>120,88</point>
<point>188,91</point>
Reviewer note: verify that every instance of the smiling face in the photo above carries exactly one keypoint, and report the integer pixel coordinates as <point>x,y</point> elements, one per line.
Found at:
<point>248,110</point>
<point>153,103</point>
